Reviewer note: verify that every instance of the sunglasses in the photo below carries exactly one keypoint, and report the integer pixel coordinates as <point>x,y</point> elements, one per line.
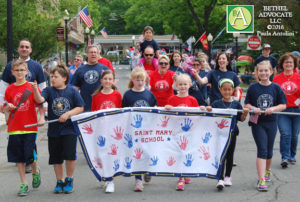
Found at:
<point>196,64</point>
<point>163,63</point>
<point>148,55</point>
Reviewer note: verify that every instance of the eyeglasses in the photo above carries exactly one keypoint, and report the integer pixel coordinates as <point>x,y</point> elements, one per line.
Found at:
<point>19,70</point>
<point>196,64</point>
<point>163,63</point>
<point>93,52</point>
<point>76,59</point>
<point>148,55</point>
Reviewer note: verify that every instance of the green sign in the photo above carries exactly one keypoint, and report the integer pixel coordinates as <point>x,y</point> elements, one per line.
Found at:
<point>240,18</point>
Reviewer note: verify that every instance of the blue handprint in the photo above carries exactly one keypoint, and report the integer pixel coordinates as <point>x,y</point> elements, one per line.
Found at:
<point>117,165</point>
<point>186,125</point>
<point>138,121</point>
<point>189,160</point>
<point>216,164</point>
<point>154,160</point>
<point>129,142</point>
<point>128,162</point>
<point>101,141</point>
<point>207,137</point>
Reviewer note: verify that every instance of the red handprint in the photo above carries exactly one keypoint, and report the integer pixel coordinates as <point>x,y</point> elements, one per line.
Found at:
<point>88,128</point>
<point>183,143</point>
<point>118,132</point>
<point>164,121</point>
<point>205,152</point>
<point>222,124</point>
<point>171,161</point>
<point>98,163</point>
<point>114,149</point>
<point>138,153</point>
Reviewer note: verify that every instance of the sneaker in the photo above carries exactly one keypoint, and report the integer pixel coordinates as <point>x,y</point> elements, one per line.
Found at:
<point>28,169</point>
<point>36,179</point>
<point>147,178</point>
<point>292,161</point>
<point>234,164</point>
<point>59,187</point>
<point>180,184</point>
<point>261,185</point>
<point>110,187</point>
<point>284,164</point>
<point>227,181</point>
<point>139,186</point>
<point>187,180</point>
<point>268,174</point>
<point>23,190</point>
<point>68,185</point>
<point>220,185</point>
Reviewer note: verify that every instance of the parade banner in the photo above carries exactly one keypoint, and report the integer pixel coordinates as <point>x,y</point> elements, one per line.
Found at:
<point>182,142</point>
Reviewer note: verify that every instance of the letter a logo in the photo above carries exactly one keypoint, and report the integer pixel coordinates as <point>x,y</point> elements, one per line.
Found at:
<point>240,19</point>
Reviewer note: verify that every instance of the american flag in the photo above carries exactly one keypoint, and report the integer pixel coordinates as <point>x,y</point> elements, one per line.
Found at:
<point>85,17</point>
<point>104,33</point>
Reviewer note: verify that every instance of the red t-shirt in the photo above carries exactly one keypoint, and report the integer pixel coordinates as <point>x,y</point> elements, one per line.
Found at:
<point>290,84</point>
<point>161,86</point>
<point>188,101</point>
<point>149,68</point>
<point>106,101</point>
<point>26,113</point>
<point>107,63</point>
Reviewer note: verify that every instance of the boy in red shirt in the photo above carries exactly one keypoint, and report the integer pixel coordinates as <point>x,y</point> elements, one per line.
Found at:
<point>21,147</point>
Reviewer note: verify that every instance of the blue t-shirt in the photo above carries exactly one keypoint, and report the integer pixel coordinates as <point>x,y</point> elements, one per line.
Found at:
<point>214,77</point>
<point>151,43</point>
<point>197,90</point>
<point>230,105</point>
<point>138,99</point>
<point>177,70</point>
<point>265,97</point>
<point>272,60</point>
<point>35,73</point>
<point>59,102</point>
<point>87,78</point>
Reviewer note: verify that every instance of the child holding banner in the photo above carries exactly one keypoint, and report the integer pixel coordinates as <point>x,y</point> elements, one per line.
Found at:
<point>64,101</point>
<point>138,96</point>
<point>226,88</point>
<point>267,96</point>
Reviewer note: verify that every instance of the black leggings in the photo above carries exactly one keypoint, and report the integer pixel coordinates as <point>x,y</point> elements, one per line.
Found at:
<point>229,159</point>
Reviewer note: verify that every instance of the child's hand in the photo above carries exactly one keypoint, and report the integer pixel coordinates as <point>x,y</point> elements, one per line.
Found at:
<point>34,85</point>
<point>269,111</point>
<point>9,107</point>
<point>208,108</point>
<point>64,117</point>
<point>202,108</point>
<point>257,111</point>
<point>245,111</point>
<point>41,121</point>
<point>174,77</point>
<point>168,107</point>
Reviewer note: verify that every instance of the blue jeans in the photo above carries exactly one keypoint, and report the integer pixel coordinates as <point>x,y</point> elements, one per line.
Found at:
<point>289,127</point>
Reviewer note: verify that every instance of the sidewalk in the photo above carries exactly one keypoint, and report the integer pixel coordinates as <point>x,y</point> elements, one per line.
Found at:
<point>2,120</point>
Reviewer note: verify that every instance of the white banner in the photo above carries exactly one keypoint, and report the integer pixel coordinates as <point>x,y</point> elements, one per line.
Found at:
<point>129,141</point>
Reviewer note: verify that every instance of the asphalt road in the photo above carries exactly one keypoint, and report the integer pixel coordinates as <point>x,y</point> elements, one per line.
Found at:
<point>284,186</point>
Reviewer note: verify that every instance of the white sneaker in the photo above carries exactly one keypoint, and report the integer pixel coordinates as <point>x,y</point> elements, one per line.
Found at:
<point>220,185</point>
<point>110,187</point>
<point>139,186</point>
<point>227,181</point>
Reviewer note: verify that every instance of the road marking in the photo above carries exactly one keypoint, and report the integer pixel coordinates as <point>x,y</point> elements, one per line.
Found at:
<point>7,170</point>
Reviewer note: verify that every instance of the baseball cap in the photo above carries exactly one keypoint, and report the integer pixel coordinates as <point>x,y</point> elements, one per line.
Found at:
<point>266,45</point>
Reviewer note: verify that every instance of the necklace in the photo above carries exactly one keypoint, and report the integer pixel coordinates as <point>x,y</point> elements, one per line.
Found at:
<point>226,106</point>
<point>288,76</point>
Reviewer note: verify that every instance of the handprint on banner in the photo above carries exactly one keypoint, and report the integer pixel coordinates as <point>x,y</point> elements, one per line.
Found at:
<point>205,152</point>
<point>222,124</point>
<point>206,138</point>
<point>114,149</point>
<point>189,160</point>
<point>118,133</point>
<point>154,160</point>
<point>98,163</point>
<point>138,121</point>
<point>171,161</point>
<point>101,141</point>
<point>216,164</point>
<point>117,165</point>
<point>128,139</point>
<point>88,129</point>
<point>128,162</point>
<point>183,143</point>
<point>138,153</point>
<point>186,125</point>
<point>164,121</point>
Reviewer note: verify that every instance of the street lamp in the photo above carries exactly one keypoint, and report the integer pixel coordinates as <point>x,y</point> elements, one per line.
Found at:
<point>133,40</point>
<point>66,18</point>
<point>193,41</point>
<point>209,39</point>
<point>236,35</point>
<point>87,31</point>
<point>93,36</point>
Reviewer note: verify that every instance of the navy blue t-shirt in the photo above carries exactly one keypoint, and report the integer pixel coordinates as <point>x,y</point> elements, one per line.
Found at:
<point>214,77</point>
<point>265,97</point>
<point>177,70</point>
<point>87,78</point>
<point>138,99</point>
<point>230,105</point>
<point>151,43</point>
<point>35,73</point>
<point>59,102</point>
<point>197,90</point>
<point>272,60</point>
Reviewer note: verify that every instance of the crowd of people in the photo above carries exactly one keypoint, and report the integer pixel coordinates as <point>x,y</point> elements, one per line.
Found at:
<point>156,80</point>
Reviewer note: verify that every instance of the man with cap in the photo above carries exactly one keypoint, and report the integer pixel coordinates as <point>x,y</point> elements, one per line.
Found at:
<point>266,56</point>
